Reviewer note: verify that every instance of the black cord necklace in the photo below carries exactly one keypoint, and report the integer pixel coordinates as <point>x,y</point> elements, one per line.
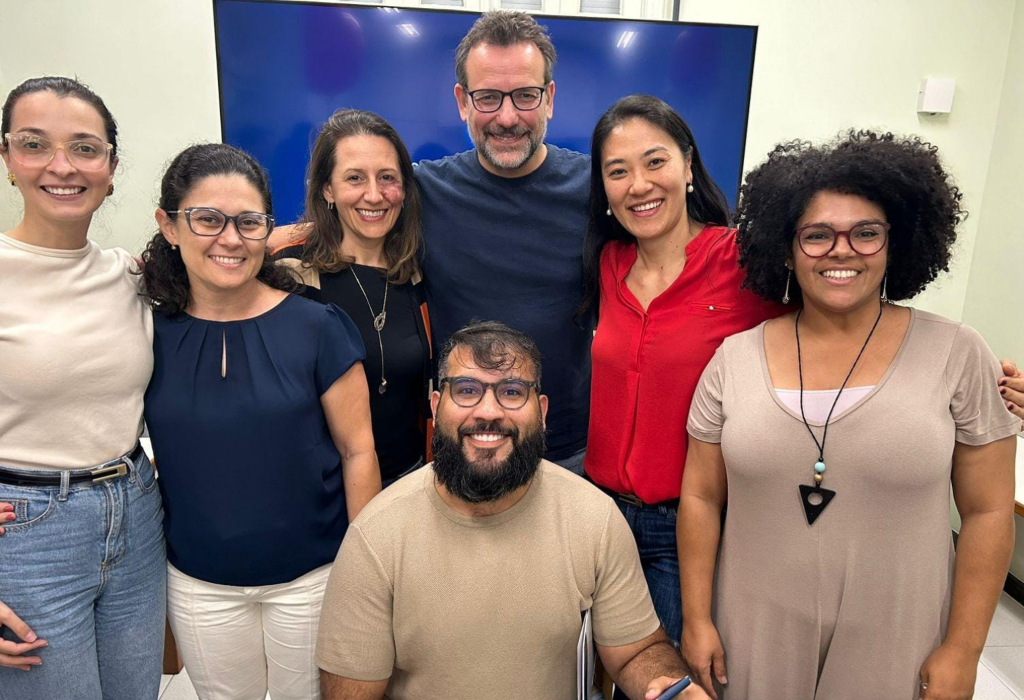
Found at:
<point>378,324</point>
<point>822,497</point>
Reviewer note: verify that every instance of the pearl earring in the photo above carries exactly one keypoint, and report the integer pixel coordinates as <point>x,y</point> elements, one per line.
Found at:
<point>608,211</point>
<point>689,187</point>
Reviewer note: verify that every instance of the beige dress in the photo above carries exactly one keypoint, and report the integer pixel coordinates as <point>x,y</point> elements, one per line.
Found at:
<point>849,608</point>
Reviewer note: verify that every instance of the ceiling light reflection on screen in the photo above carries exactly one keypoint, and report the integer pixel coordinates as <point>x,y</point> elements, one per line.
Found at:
<point>409,29</point>
<point>625,39</point>
<point>389,10</point>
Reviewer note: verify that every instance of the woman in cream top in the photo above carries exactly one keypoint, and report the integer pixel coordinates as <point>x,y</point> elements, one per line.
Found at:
<point>82,569</point>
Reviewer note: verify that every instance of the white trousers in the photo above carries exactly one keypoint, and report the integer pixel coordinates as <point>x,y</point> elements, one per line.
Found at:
<point>239,642</point>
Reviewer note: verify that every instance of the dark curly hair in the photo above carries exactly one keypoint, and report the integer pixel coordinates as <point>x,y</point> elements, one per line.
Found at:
<point>901,174</point>
<point>705,205</point>
<point>493,346</point>
<point>164,277</point>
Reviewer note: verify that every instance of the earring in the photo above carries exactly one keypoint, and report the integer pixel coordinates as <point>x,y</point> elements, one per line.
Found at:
<point>330,205</point>
<point>173,247</point>
<point>885,296</point>
<point>785,295</point>
<point>689,187</point>
<point>608,212</point>
<point>10,179</point>
<point>110,190</point>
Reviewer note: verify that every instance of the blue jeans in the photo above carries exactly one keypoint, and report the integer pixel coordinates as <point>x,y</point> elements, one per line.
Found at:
<point>84,566</point>
<point>574,463</point>
<point>654,529</point>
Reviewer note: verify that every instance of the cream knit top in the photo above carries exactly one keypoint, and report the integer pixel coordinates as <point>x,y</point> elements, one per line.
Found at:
<point>76,354</point>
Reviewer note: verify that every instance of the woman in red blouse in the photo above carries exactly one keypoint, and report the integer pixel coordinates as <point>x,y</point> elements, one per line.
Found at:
<point>661,273</point>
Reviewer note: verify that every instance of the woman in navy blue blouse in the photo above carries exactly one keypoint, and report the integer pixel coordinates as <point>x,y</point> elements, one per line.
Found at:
<point>259,414</point>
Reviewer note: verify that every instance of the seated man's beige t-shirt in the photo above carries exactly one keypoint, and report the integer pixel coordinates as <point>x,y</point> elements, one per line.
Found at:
<point>461,608</point>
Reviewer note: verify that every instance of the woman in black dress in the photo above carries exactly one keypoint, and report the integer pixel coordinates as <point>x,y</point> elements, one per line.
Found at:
<point>357,246</point>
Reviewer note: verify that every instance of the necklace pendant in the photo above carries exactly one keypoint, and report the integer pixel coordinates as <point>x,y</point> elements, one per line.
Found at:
<point>383,386</point>
<point>379,320</point>
<point>815,499</point>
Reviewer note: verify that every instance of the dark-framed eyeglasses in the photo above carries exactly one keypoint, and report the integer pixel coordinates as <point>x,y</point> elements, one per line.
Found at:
<point>36,150</point>
<point>525,99</point>
<point>207,221</point>
<point>818,240</point>
<point>512,394</point>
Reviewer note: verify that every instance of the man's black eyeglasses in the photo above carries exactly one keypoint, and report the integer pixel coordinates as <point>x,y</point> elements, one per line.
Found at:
<point>525,99</point>
<point>511,394</point>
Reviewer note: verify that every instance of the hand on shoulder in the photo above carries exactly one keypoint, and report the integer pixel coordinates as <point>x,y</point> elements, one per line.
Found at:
<point>1011,387</point>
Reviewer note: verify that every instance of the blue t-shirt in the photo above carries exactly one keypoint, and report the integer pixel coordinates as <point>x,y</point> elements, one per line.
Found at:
<point>251,479</point>
<point>511,250</point>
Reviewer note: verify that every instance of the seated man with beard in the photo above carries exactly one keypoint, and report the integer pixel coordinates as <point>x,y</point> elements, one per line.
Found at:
<point>467,579</point>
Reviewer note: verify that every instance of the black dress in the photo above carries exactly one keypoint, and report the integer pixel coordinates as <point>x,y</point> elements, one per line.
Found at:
<point>399,413</point>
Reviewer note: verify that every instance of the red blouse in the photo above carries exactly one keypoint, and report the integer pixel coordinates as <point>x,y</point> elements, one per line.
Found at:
<point>646,364</point>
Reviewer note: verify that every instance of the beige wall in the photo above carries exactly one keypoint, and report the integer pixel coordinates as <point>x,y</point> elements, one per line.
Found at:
<point>995,291</point>
<point>994,301</point>
<point>154,64</point>
<point>831,64</point>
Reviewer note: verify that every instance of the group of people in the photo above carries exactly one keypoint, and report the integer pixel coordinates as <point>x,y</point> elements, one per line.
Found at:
<point>774,437</point>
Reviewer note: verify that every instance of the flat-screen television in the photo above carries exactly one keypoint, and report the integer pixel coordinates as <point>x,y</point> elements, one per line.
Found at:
<point>284,67</point>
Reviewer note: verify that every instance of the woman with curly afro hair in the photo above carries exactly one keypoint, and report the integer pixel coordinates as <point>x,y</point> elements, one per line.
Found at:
<point>834,432</point>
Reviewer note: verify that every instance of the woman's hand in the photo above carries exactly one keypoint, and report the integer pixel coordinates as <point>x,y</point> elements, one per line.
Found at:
<point>703,654</point>
<point>949,674</point>
<point>1011,388</point>
<point>11,652</point>
<point>6,515</point>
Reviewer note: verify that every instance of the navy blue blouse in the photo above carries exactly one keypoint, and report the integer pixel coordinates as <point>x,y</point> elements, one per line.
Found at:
<point>251,479</point>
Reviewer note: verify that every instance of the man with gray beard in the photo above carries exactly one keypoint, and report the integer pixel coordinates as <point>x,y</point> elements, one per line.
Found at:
<point>503,223</point>
<point>467,579</point>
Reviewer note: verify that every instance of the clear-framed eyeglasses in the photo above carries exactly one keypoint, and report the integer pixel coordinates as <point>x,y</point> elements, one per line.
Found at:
<point>37,151</point>
<point>512,394</point>
<point>525,99</point>
<point>207,221</point>
<point>818,240</point>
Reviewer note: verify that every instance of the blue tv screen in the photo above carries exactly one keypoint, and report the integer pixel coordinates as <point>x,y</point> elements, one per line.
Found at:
<point>284,67</point>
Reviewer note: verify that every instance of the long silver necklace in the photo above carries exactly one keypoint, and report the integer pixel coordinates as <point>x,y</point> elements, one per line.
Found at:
<point>815,498</point>
<point>378,324</point>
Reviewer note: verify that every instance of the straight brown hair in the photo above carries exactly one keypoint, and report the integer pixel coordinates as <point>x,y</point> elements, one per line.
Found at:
<point>322,249</point>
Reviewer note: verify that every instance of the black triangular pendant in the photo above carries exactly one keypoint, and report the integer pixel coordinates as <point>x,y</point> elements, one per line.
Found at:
<point>813,511</point>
